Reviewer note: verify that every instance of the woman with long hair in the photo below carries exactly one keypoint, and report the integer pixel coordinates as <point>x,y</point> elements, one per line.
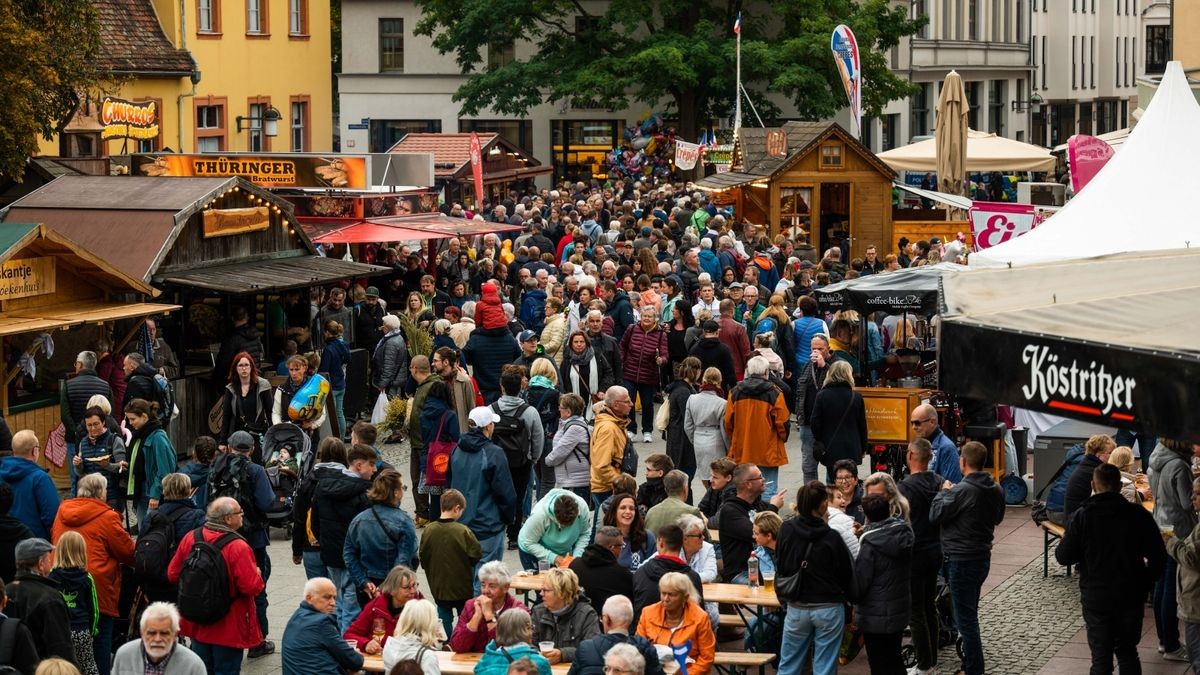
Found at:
<point>623,513</point>
<point>246,402</point>
<point>704,424</point>
<point>70,573</point>
<point>439,422</point>
<point>775,320</point>
<point>151,456</point>
<point>839,419</point>
<point>678,393</point>
<point>298,376</point>
<point>677,330</point>
<point>418,636</point>
<point>584,372</point>
<point>417,312</point>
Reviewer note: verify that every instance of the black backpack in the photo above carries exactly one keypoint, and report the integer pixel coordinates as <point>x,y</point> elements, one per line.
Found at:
<point>204,588</point>
<point>156,547</point>
<point>512,436</point>
<point>231,478</point>
<point>629,459</point>
<point>8,645</point>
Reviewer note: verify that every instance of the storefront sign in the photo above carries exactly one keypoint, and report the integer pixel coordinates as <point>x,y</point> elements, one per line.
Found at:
<point>26,277</point>
<point>996,222</point>
<point>686,155</point>
<point>299,171</point>
<point>887,419</point>
<point>227,222</point>
<point>128,119</point>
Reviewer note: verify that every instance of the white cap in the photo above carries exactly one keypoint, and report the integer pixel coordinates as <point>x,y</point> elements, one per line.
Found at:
<point>483,416</point>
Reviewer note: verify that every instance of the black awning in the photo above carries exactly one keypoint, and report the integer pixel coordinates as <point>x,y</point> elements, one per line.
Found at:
<point>267,276</point>
<point>909,290</point>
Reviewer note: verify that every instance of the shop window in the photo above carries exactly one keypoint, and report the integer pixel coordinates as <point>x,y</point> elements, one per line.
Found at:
<point>208,16</point>
<point>391,45</point>
<point>298,17</point>
<point>831,156</point>
<point>794,206</point>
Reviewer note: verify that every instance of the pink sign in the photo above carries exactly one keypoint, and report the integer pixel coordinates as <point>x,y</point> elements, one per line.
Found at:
<point>1087,155</point>
<point>996,222</point>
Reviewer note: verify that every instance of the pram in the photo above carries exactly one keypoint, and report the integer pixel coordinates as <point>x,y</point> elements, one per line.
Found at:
<point>287,457</point>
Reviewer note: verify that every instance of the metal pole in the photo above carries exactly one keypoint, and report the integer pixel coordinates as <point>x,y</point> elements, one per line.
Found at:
<point>737,108</point>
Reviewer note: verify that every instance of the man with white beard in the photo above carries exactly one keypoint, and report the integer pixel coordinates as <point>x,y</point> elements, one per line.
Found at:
<point>158,652</point>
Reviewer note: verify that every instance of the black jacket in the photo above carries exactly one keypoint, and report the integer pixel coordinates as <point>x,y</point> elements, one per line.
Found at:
<point>338,498</point>
<point>844,438</point>
<point>608,347</point>
<point>78,391</point>
<point>737,534</point>
<point>589,655</point>
<point>645,581</point>
<point>141,384</point>
<point>829,576</point>
<point>487,351</point>
<point>968,513</point>
<point>1116,545</point>
<point>37,601</point>
<point>714,354</point>
<point>24,656</point>
<point>650,493</point>
<point>679,448</point>
<point>367,322</point>
<point>601,576</point>
<point>191,518</point>
<point>882,572</point>
<point>1079,484</point>
<point>920,489</point>
<point>244,338</point>
<point>12,532</point>
<point>710,505</point>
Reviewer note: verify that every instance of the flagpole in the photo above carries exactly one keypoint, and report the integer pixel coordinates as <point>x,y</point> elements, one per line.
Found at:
<point>737,108</point>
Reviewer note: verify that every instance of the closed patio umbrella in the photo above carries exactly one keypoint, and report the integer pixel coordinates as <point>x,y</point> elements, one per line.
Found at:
<point>951,135</point>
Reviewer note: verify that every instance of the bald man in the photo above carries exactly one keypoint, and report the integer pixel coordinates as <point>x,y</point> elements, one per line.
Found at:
<point>311,641</point>
<point>924,421</point>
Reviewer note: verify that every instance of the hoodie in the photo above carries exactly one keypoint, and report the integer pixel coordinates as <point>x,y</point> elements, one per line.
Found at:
<point>542,536</point>
<point>715,354</point>
<point>339,497</point>
<point>1171,483</point>
<point>602,575</point>
<point>79,594</point>
<point>479,470</point>
<point>969,513</point>
<point>828,578</point>
<point>495,659</point>
<point>35,500</point>
<point>881,574</point>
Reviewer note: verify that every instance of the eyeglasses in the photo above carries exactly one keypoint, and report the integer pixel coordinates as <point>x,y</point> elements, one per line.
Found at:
<point>759,477</point>
<point>917,423</point>
<point>844,479</point>
<point>236,513</point>
<point>693,536</point>
<point>611,670</point>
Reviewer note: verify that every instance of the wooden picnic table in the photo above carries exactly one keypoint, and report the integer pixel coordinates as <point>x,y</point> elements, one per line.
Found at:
<point>451,663</point>
<point>733,594</point>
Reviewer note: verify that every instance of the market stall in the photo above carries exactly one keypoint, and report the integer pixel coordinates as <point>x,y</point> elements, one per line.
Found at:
<point>504,165</point>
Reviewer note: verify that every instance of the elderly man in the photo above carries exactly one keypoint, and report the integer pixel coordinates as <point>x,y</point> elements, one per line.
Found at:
<point>736,526</point>
<point>604,345</point>
<point>610,442</point>
<point>733,335</point>
<point>756,423</point>
<point>165,361</point>
<point>945,463</point>
<point>158,652</point>
<point>599,572</point>
<point>668,511</point>
<point>35,500</point>
<point>37,600</point>
<point>592,657</point>
<point>311,641</point>
<point>477,622</point>
<point>76,393</point>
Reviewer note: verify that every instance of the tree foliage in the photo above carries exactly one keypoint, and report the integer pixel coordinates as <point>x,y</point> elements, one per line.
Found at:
<point>48,51</point>
<point>680,51</point>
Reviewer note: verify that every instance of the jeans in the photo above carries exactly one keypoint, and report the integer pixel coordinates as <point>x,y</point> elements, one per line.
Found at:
<point>966,582</point>
<point>313,565</point>
<point>102,644</point>
<point>816,627</point>
<point>923,587</point>
<point>645,392</point>
<point>770,476</point>
<point>1192,631</point>
<point>263,560</point>
<point>493,549</point>
<point>598,499</point>
<point>347,601</point>
<point>1145,442</point>
<point>808,463</point>
<point>339,395</point>
<point>1113,626</point>
<point>143,505</point>
<point>448,610</point>
<point>217,659</point>
<point>883,653</point>
<point>1166,607</point>
<point>528,561</point>
<point>420,499</point>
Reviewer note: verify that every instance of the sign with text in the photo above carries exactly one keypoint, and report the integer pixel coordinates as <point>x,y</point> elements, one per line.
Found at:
<point>996,222</point>
<point>227,222</point>
<point>26,277</point>
<point>686,155</point>
<point>299,171</point>
<point>887,419</point>
<point>776,144</point>
<point>1087,155</point>
<point>128,119</point>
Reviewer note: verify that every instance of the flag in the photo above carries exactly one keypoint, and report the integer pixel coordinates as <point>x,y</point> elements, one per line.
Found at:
<point>737,24</point>
<point>686,155</point>
<point>681,654</point>
<point>477,169</point>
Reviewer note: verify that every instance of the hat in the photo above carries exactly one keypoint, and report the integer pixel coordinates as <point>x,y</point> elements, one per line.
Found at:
<point>391,321</point>
<point>736,284</point>
<point>483,416</point>
<point>29,551</point>
<point>526,336</point>
<point>241,440</point>
<point>710,326</point>
<point>372,292</point>
<point>807,265</point>
<point>935,241</point>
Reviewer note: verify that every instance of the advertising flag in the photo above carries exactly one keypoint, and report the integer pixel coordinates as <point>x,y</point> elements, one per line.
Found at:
<point>737,24</point>
<point>1086,155</point>
<point>849,64</point>
<point>686,155</point>
<point>477,169</point>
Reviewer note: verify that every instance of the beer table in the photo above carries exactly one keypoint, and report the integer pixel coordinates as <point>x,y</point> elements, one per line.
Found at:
<point>464,664</point>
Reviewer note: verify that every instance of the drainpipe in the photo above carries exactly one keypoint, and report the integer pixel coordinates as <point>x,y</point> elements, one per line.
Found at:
<point>195,74</point>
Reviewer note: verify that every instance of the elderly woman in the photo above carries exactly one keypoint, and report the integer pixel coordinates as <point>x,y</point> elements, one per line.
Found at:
<point>108,547</point>
<point>381,537</point>
<point>569,453</point>
<point>1122,458</point>
<point>151,456</point>
<point>298,376</point>
<point>643,352</point>
<point>882,484</point>
<point>677,619</point>
<point>178,508</point>
<point>478,619</point>
<point>514,641</point>
<point>701,556</point>
<point>704,424</point>
<point>564,617</point>
<point>624,659</point>
<point>839,419</point>
<point>371,629</point>
<point>101,451</point>
<point>418,637</point>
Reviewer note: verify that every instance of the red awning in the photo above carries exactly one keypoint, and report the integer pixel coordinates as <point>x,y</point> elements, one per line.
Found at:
<point>369,232</point>
<point>446,225</point>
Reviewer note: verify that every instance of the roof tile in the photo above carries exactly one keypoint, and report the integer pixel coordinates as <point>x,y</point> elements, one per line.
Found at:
<point>132,40</point>
<point>451,152</point>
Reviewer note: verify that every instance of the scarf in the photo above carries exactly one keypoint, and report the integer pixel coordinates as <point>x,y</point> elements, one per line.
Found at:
<point>137,471</point>
<point>716,389</point>
<point>541,381</point>
<point>574,362</point>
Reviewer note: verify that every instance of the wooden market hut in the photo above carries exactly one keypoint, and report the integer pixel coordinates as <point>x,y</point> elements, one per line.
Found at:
<point>504,165</point>
<point>810,176</point>
<point>208,243</point>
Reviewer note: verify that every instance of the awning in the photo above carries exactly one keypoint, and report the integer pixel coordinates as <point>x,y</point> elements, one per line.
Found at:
<point>914,289</point>
<point>370,232</point>
<point>45,319</point>
<point>441,224</point>
<point>273,275</point>
<point>940,197</point>
<point>727,180</point>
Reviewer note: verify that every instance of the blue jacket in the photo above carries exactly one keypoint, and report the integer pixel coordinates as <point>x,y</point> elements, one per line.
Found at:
<point>533,312</point>
<point>621,312</point>
<point>431,417</point>
<point>199,475</point>
<point>495,659</point>
<point>487,351</point>
<point>379,538</point>
<point>1056,497</point>
<point>945,457</point>
<point>710,262</point>
<point>479,470</point>
<point>312,644</point>
<point>334,360</point>
<point>35,500</point>
<point>804,329</point>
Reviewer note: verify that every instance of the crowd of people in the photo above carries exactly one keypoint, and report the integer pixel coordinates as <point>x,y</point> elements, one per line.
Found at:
<point>613,317</point>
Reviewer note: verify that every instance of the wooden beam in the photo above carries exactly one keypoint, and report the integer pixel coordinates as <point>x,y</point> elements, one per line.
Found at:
<point>137,326</point>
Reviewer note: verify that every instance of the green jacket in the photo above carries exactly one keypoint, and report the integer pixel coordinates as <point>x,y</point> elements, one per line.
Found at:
<point>448,552</point>
<point>160,461</point>
<point>415,406</point>
<point>543,538</point>
<point>667,512</point>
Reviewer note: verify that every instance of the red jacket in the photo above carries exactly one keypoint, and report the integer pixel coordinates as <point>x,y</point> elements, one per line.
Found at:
<point>108,545</point>
<point>639,350</point>
<point>362,628</point>
<point>109,369</point>
<point>463,640</point>
<point>733,335</point>
<point>239,628</point>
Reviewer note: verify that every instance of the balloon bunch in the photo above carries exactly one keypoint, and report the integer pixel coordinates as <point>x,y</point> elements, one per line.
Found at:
<point>648,150</point>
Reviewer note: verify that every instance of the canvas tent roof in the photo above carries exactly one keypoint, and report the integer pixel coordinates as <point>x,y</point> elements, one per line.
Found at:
<point>1141,200</point>
<point>985,152</point>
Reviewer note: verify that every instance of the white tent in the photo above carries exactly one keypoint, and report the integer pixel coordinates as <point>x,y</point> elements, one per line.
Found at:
<point>1142,200</point>
<point>985,152</point>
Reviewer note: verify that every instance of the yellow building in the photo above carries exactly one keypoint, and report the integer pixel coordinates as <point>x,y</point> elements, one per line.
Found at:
<point>1185,22</point>
<point>217,71</point>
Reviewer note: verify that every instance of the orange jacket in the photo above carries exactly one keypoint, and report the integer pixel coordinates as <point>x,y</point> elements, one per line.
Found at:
<point>696,627</point>
<point>751,403</point>
<point>108,545</point>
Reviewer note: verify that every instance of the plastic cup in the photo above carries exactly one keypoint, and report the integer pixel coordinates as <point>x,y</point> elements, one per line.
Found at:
<point>543,567</point>
<point>545,646</point>
<point>769,582</point>
<point>353,644</point>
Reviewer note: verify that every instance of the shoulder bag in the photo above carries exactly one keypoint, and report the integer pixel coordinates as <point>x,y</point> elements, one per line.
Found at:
<point>1038,509</point>
<point>788,587</point>
<point>437,461</point>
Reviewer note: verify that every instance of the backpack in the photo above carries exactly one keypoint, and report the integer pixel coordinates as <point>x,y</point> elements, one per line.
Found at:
<point>9,630</point>
<point>156,547</point>
<point>231,478</point>
<point>579,456</point>
<point>204,588</point>
<point>166,399</point>
<point>512,436</point>
<point>629,459</point>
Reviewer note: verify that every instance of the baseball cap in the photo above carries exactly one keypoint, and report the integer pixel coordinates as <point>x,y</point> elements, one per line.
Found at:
<point>372,292</point>
<point>29,551</point>
<point>526,336</point>
<point>483,416</point>
<point>241,440</point>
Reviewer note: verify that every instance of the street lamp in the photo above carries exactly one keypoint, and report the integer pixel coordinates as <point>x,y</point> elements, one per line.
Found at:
<point>270,121</point>
<point>1034,103</point>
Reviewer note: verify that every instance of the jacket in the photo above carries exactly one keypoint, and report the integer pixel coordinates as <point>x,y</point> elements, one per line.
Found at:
<point>756,422</point>
<point>1117,547</point>
<point>580,367</point>
<point>554,337</point>
<point>377,540</point>
<point>35,499</point>
<point>338,498</point>
<point>254,522</point>
<point>479,470</point>
<point>1056,496</point>
<point>533,310</point>
<point>464,640</point>
<point>640,351</point>
<point>602,575</point>
<point>645,580</point>
<point>812,380</point>
<point>543,538</point>
<point>234,419</point>
<point>609,444</point>
<point>621,311</point>
<point>151,459</point>
<point>733,335</point>
<point>569,454</point>
<point>495,659</point>
<point>461,332</point>
<point>920,489</point>
<point>882,572</point>
<point>12,532</point>
<point>464,393</point>
<point>968,513</point>
<point>1079,485</point>
<point>239,628</point>
<point>566,628</point>
<point>192,518</point>
<point>487,351</point>
<point>389,362</point>
<point>38,603</point>
<point>448,552</point>
<point>77,391</point>
<point>829,577</point>
<point>704,427</point>
<point>737,533</point>
<point>141,384</point>
<point>79,593</point>
<point>679,444</point>
<point>589,654</point>
<point>416,439</point>
<point>711,504</point>
<point>198,474</point>
<point>696,627</point>
<point>408,647</point>
<point>713,354</point>
<point>311,644</point>
<point>367,320</point>
<point>945,457</point>
<point>650,494</point>
<point>334,360</point>
<point>380,607</point>
<point>1186,552</point>
<point>244,338</point>
<point>109,368</point>
<point>607,346</point>
<point>667,512</point>
<point>1171,483</point>
<point>183,661</point>
<point>108,545</point>
<point>304,507</point>
<point>848,441</point>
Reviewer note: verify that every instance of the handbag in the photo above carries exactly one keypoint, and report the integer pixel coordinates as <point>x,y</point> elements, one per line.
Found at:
<point>663,417</point>
<point>789,586</point>
<point>819,446</point>
<point>216,416</point>
<point>437,460</point>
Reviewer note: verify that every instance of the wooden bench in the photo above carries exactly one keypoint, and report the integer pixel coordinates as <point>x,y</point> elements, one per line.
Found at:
<point>740,662</point>
<point>731,620</point>
<point>1051,532</point>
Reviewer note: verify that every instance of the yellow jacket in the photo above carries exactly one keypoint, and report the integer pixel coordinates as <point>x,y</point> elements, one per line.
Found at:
<point>608,448</point>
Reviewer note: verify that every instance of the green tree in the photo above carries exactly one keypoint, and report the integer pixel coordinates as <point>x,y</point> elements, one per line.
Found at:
<point>678,51</point>
<point>48,49</point>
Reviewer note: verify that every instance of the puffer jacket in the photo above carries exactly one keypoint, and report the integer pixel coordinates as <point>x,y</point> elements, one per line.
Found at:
<point>881,573</point>
<point>377,540</point>
<point>566,629</point>
<point>77,391</point>
<point>756,422</point>
<point>390,363</point>
<point>35,500</point>
<point>554,337</point>
<point>640,349</point>
<point>679,446</point>
<point>487,351</point>
<point>704,426</point>
<point>1171,484</point>
<point>495,659</point>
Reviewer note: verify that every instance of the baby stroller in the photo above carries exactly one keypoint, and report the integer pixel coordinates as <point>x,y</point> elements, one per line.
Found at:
<point>947,634</point>
<point>287,456</point>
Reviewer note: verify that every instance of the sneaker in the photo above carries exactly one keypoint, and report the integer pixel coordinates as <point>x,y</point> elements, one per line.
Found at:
<point>1161,649</point>
<point>646,437</point>
<point>1177,655</point>
<point>267,647</point>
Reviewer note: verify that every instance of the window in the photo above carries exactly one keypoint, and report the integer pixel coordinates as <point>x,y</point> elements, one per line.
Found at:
<point>997,24</point>
<point>256,140</point>
<point>919,10</point>
<point>1125,61</point>
<point>1008,18</point>
<point>256,17</point>
<point>297,17</point>
<point>517,132</point>
<point>299,124</point>
<point>385,133</point>
<point>208,16</point>
<point>1074,82</point>
<point>972,19</point>
<point>1133,59</point>
<point>1021,21</point>
<point>1093,6</point>
<point>1092,62</point>
<point>887,135</point>
<point>208,117</point>
<point>1033,45</point>
<point>501,54</point>
<point>1043,62</point>
<point>946,19</point>
<point>1117,59</point>
<point>996,106</point>
<point>831,155</point>
<point>147,145</point>
<point>211,128</point>
<point>919,111</point>
<point>391,45</point>
<point>1085,118</point>
<point>973,104</point>
<point>1083,80</point>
